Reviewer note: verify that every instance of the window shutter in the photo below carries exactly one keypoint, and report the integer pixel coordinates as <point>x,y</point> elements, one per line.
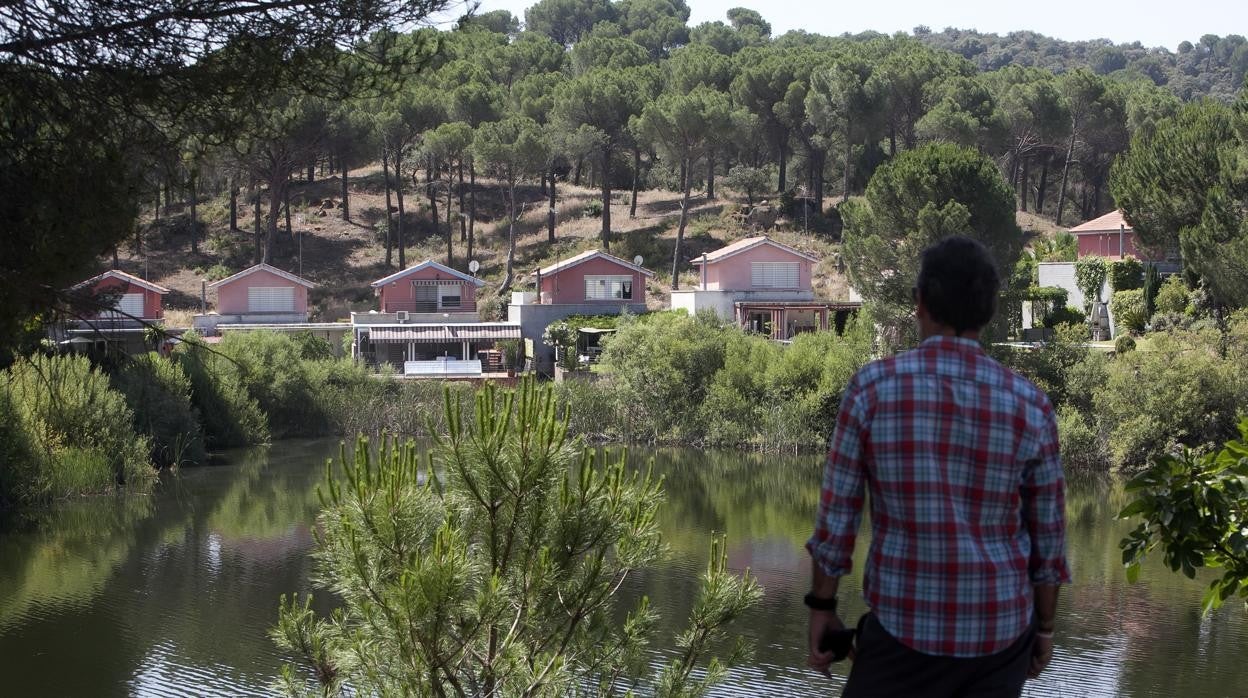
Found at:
<point>279,299</point>
<point>773,274</point>
<point>131,305</point>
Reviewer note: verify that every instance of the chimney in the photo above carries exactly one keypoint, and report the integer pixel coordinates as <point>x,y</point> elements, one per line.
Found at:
<point>703,271</point>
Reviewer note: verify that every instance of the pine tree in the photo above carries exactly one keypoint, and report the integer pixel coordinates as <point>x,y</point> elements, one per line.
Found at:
<point>491,566</point>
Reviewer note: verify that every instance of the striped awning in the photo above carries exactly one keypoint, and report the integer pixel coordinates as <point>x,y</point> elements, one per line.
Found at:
<point>444,334</point>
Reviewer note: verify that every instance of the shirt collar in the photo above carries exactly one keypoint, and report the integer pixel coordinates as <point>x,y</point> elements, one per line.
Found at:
<point>958,344</point>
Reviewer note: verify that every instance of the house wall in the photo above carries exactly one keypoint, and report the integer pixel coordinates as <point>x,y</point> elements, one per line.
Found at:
<point>232,297</point>
<point>1105,244</point>
<point>402,291</point>
<point>1062,275</point>
<point>568,285</point>
<point>733,273</point>
<point>153,308</point>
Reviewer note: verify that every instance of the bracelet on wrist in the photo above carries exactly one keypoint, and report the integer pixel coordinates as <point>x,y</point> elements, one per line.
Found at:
<point>819,603</point>
<point>1046,634</point>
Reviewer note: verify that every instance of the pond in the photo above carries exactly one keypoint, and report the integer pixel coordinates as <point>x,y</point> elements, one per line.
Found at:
<point>173,594</point>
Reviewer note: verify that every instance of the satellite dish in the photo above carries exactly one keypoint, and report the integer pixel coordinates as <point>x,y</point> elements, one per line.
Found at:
<point>473,266</point>
<point>638,260</point>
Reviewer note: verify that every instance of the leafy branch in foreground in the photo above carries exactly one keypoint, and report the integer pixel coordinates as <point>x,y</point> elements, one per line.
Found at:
<point>1195,508</point>
<point>491,568</point>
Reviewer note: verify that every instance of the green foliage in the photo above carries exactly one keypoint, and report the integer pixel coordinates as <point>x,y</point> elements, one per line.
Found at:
<point>1181,391</point>
<point>311,347</point>
<point>1172,296</point>
<point>1082,447</point>
<point>1045,302</point>
<point>676,378</point>
<point>592,209</point>
<point>231,417</point>
<point>1128,310</point>
<point>1191,506</point>
<point>510,538</point>
<point>1090,273</point>
<point>1152,284</point>
<point>917,199</point>
<point>562,337</point>
<point>1126,274</point>
<point>159,394</point>
<point>70,432</point>
<point>1184,186</point>
<point>1124,343</point>
<point>1062,367</point>
<point>1065,316</point>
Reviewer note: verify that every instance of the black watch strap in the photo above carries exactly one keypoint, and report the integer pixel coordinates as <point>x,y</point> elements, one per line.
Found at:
<point>818,603</point>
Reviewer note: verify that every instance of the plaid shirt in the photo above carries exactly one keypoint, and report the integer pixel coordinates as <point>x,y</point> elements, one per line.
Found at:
<point>961,458</point>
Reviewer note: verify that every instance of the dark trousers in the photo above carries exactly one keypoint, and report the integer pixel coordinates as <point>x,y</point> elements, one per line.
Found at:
<point>888,669</point>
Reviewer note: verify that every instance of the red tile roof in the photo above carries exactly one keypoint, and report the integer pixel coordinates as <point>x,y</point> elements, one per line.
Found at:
<point>1110,222</point>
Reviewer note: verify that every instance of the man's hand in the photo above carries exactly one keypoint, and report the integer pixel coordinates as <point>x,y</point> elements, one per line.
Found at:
<point>821,622</point>
<point>1041,653</point>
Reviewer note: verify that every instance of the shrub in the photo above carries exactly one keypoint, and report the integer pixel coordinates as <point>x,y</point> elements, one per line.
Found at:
<point>1124,343</point>
<point>311,347</point>
<point>593,209</point>
<point>231,417</point>
<point>1172,296</point>
<point>1065,316</point>
<point>1180,392</point>
<point>1045,300</point>
<point>1126,274</point>
<point>282,382</point>
<point>1166,322</point>
<point>159,393</point>
<point>1082,447</point>
<point>75,429</point>
<point>1128,309</point>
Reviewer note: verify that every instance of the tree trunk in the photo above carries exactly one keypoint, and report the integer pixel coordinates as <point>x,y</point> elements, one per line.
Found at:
<point>115,261</point>
<point>892,142</point>
<point>194,216</point>
<point>233,186</point>
<point>156,210</point>
<point>550,212</point>
<point>684,217</point>
<point>290,231</point>
<point>606,198</point>
<point>817,175</point>
<point>398,195</point>
<point>450,227</point>
<point>463,224</point>
<point>784,169</point>
<point>1026,179</point>
<point>710,176</point>
<point>385,173</point>
<point>1044,183</point>
<point>576,173</point>
<point>346,200</point>
<point>472,203</point>
<point>275,210</point>
<point>312,171</point>
<point>511,233</point>
<point>255,196</point>
<point>1061,192</point>
<point>849,155</point>
<point>632,200</point>
<point>431,192</point>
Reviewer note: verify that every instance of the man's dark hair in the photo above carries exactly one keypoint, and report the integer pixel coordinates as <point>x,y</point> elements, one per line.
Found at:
<point>958,282</point>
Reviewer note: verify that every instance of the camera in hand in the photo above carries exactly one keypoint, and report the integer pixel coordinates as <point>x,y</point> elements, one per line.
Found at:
<point>839,642</point>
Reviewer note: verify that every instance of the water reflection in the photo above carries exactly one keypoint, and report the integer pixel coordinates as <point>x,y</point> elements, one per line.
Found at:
<point>174,593</point>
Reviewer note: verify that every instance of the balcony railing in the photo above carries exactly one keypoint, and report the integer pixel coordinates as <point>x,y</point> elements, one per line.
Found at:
<point>429,307</point>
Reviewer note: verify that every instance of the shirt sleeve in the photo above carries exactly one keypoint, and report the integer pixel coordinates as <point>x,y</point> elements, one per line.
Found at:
<point>840,501</point>
<point>1044,507</point>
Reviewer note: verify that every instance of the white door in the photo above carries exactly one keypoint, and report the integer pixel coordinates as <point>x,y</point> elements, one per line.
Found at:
<point>271,300</point>
<point>131,304</point>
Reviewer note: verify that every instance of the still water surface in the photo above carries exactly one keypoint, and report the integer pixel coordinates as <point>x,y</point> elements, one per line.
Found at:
<point>173,594</point>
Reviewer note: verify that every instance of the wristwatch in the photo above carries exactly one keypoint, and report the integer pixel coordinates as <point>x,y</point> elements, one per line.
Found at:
<point>818,603</point>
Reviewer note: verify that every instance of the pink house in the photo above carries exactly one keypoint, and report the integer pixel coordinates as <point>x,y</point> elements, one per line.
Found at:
<point>592,278</point>
<point>263,291</point>
<point>429,288</point>
<point>762,286</point>
<point>1111,236</point>
<point>135,299</point>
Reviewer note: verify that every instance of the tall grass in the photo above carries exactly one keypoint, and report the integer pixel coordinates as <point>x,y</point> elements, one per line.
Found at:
<point>66,432</point>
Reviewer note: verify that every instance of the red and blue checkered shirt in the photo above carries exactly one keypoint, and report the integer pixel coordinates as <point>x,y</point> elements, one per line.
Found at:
<point>960,455</point>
